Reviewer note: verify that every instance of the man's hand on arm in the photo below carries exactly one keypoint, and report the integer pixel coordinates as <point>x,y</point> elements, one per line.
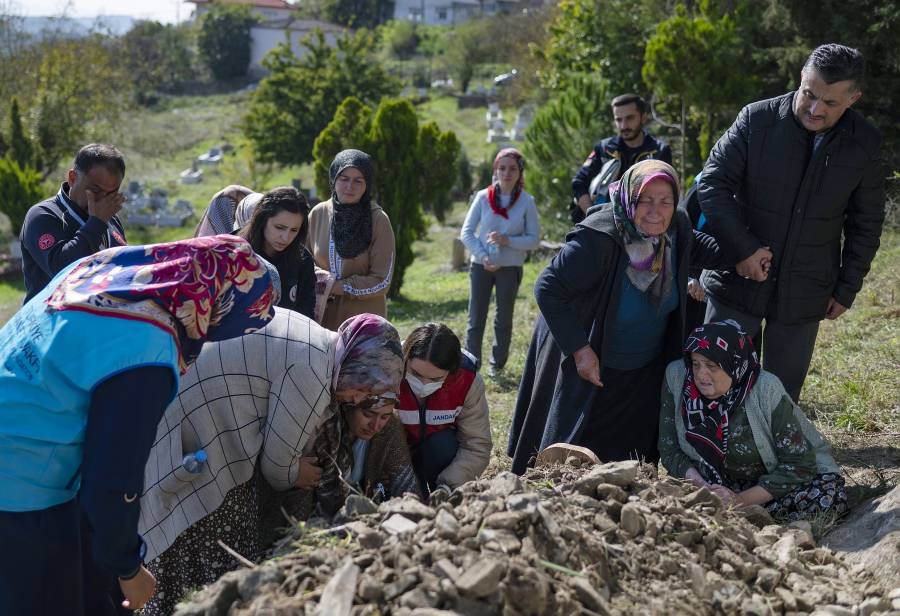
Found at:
<point>756,266</point>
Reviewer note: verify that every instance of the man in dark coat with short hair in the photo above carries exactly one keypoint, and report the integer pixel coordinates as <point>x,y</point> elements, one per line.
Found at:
<point>794,192</point>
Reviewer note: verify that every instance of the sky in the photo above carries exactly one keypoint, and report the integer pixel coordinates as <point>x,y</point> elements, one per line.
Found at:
<point>167,11</point>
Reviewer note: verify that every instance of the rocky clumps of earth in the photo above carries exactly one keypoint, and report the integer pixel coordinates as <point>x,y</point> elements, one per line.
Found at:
<point>562,540</point>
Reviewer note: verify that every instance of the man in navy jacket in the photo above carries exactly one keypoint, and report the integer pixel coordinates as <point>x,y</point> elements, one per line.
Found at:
<point>794,193</point>
<point>79,221</point>
<point>630,145</point>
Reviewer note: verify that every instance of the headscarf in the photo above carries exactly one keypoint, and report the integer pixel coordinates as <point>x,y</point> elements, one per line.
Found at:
<point>369,358</point>
<point>351,226</point>
<point>245,208</point>
<point>650,258</point>
<point>218,218</point>
<point>205,288</point>
<point>706,421</point>
<point>493,193</point>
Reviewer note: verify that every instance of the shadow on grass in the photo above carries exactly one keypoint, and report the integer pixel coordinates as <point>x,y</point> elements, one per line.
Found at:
<point>404,309</point>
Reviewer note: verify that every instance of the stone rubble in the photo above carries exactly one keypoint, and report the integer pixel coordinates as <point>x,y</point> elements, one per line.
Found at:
<point>608,539</point>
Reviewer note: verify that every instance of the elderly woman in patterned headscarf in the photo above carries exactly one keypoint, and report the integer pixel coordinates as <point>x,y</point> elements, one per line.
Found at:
<point>612,314</point>
<point>730,426</point>
<point>352,242</point>
<point>87,368</point>
<point>293,405</point>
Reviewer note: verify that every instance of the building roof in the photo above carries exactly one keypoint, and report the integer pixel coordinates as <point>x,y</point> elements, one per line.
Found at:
<point>262,4</point>
<point>299,25</point>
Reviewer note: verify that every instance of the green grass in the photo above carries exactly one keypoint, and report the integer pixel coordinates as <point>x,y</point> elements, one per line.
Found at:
<point>468,124</point>
<point>853,382</point>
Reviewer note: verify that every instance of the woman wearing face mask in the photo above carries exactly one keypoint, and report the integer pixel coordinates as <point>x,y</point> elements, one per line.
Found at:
<point>277,231</point>
<point>259,406</point>
<point>444,409</point>
<point>352,241</point>
<point>730,426</point>
<point>500,228</point>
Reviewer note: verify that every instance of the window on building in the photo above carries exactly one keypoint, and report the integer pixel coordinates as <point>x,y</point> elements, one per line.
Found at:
<point>442,14</point>
<point>415,14</point>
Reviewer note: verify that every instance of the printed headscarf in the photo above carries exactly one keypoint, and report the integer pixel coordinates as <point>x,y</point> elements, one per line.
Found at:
<point>369,358</point>
<point>351,226</point>
<point>245,208</point>
<point>205,288</point>
<point>493,193</point>
<point>649,257</point>
<point>707,421</point>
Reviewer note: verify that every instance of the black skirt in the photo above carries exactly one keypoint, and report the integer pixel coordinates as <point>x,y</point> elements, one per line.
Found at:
<point>623,423</point>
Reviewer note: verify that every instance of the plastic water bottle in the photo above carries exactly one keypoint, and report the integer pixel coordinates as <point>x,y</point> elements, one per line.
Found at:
<point>493,250</point>
<point>193,462</point>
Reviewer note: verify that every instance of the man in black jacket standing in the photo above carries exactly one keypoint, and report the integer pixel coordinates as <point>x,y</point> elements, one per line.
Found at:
<point>794,191</point>
<point>632,144</point>
<point>78,221</point>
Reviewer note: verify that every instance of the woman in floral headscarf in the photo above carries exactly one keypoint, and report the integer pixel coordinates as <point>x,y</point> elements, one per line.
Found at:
<point>499,230</point>
<point>612,314</point>
<point>352,242</point>
<point>87,368</point>
<point>728,425</point>
<point>280,409</point>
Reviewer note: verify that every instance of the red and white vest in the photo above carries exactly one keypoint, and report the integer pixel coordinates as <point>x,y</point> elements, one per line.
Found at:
<point>439,410</point>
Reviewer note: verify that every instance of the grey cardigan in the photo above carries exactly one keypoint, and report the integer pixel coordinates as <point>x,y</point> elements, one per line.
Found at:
<point>766,394</point>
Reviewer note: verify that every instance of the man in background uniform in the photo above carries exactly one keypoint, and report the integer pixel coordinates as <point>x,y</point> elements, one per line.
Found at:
<point>614,155</point>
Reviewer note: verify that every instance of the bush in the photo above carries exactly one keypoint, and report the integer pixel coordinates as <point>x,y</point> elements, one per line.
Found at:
<point>224,40</point>
<point>414,166</point>
<point>562,134</point>
<point>19,190</point>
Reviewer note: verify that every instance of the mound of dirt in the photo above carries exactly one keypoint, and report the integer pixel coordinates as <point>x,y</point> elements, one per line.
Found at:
<point>605,539</point>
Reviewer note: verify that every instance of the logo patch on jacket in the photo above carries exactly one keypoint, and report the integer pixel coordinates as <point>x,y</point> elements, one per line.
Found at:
<point>46,241</point>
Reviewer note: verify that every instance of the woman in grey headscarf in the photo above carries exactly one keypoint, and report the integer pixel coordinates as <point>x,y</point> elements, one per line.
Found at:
<point>352,242</point>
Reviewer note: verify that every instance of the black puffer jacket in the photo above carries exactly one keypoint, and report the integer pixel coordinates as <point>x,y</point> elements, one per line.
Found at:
<point>763,185</point>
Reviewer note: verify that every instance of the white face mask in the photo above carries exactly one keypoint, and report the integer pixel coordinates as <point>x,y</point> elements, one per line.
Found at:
<point>420,389</point>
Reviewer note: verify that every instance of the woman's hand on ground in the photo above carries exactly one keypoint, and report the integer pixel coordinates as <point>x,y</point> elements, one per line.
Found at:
<point>695,478</point>
<point>310,474</point>
<point>728,497</point>
<point>588,365</point>
<point>138,589</point>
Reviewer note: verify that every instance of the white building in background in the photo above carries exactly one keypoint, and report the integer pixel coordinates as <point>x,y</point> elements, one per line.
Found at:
<point>449,12</point>
<point>276,21</point>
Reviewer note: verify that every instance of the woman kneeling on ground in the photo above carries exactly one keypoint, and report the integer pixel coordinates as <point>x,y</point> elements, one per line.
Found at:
<point>253,405</point>
<point>728,425</point>
<point>444,409</point>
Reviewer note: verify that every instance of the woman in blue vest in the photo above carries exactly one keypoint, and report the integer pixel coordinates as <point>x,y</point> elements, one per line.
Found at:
<point>444,410</point>
<point>728,425</point>
<point>87,368</point>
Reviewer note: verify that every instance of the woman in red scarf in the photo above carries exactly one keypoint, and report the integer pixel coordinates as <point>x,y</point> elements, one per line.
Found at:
<point>500,228</point>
